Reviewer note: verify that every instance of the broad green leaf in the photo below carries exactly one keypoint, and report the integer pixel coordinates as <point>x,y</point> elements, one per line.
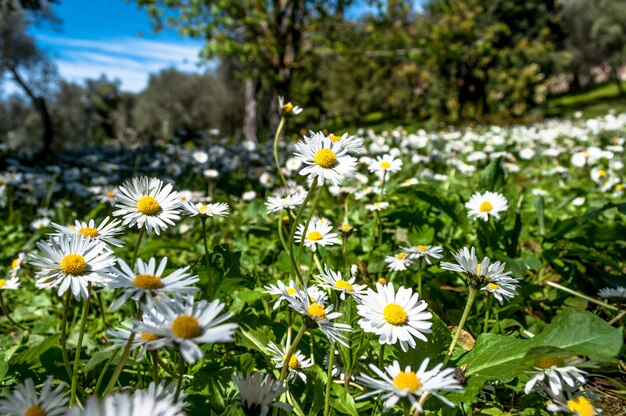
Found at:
<point>31,355</point>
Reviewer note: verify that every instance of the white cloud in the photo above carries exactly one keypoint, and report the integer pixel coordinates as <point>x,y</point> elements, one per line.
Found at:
<point>130,59</point>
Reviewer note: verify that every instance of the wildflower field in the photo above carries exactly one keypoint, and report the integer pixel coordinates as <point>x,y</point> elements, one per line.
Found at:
<point>459,272</point>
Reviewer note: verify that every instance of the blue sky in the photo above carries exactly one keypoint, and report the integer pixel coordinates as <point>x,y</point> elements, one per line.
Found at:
<point>114,37</point>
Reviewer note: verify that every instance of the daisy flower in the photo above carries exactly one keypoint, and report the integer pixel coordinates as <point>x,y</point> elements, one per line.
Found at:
<point>258,393</point>
<point>557,372</point>
<point>71,263</point>
<point>502,286</point>
<point>424,252</point>
<point>319,232</point>
<point>488,204</point>
<point>287,200</point>
<point>321,315</point>
<point>107,196</point>
<point>122,404</point>
<point>146,202</point>
<point>105,232</point>
<point>409,182</point>
<point>148,282</point>
<point>287,109</point>
<point>16,264</point>
<point>145,341</point>
<point>219,209</point>
<point>324,160</point>
<point>574,403</point>
<point>350,143</point>
<point>187,324</point>
<point>11,284</point>
<point>296,364</point>
<point>478,273</point>
<point>334,281</point>
<point>282,291</point>
<point>40,223</point>
<point>609,292</point>
<point>399,262</point>
<point>24,401</point>
<point>398,384</point>
<point>377,206</point>
<point>395,317</point>
<point>385,164</point>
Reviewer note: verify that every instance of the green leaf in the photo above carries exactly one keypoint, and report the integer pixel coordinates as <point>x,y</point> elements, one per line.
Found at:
<point>31,355</point>
<point>341,401</point>
<point>578,332</point>
<point>492,177</point>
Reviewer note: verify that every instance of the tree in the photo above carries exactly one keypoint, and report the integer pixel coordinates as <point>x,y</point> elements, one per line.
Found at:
<point>23,61</point>
<point>269,39</point>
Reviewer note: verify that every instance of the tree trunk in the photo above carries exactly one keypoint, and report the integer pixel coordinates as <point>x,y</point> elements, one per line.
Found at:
<point>250,111</point>
<point>40,105</point>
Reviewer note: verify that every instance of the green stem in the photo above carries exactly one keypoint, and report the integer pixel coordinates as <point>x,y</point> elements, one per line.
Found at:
<point>379,222</point>
<point>141,233</point>
<point>580,295</point>
<point>6,313</point>
<point>81,333</point>
<point>66,307</point>
<point>487,310</point>
<point>120,365</point>
<point>181,373</point>
<point>102,311</point>
<point>281,236</point>
<point>407,408</point>
<point>276,138</point>
<point>292,350</point>
<point>468,307</point>
<point>292,233</point>
<point>307,222</point>
<point>420,269</point>
<point>381,357</point>
<point>206,255</point>
<point>104,370</point>
<point>329,379</point>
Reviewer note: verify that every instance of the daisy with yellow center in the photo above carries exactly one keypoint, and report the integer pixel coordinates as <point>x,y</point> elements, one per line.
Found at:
<point>406,385</point>
<point>574,403</point>
<point>71,262</point>
<point>297,363</point>
<point>319,233</point>
<point>501,285</point>
<point>187,323</point>
<point>399,262</point>
<point>324,160</point>
<point>218,209</point>
<point>144,340</point>
<point>147,282</point>
<point>350,143</point>
<point>10,284</point>
<point>395,317</point>
<point>147,202</point>
<point>485,205</point>
<point>334,281</point>
<point>384,165</point>
<point>287,108</point>
<point>421,251</point>
<point>25,401</point>
<point>105,232</point>
<point>284,292</point>
<point>554,374</point>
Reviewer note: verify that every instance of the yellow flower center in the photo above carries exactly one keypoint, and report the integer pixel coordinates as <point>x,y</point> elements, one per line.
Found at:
<point>147,281</point>
<point>493,286</point>
<point>342,284</point>
<point>148,205</point>
<point>407,380</point>
<point>293,362</point>
<point>395,314</point>
<point>345,227</point>
<point>73,264</point>
<point>478,269</point>
<point>485,206</point>
<point>401,256</point>
<point>285,218</point>
<point>35,411</point>
<point>334,138</point>
<point>422,248</point>
<point>186,326</point>
<point>110,194</point>
<point>148,336</point>
<point>408,181</point>
<point>326,158</point>
<point>581,405</point>
<point>288,108</point>
<point>619,187</point>
<point>202,208</point>
<point>88,232</point>
<point>601,173</point>
<point>385,164</point>
<point>2,283</point>
<point>15,263</point>
<point>382,280</point>
<point>316,311</point>
<point>291,291</point>
<point>314,236</point>
<point>547,362</point>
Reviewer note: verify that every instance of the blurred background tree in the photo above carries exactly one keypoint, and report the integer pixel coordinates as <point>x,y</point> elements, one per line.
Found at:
<point>347,62</point>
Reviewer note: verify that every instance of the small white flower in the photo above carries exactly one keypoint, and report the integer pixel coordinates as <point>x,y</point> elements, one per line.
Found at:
<point>105,232</point>
<point>335,281</point>
<point>377,206</point>
<point>296,364</point>
<point>385,164</point>
<point>11,284</point>
<point>484,205</point>
<point>395,317</point>
<point>288,108</point>
<point>350,143</point>
<point>288,199</point>
<point>211,173</point>
<point>248,196</point>
<point>324,160</point>
<point>218,209</point>
<point>557,372</point>
<point>399,262</point>
<point>283,292</point>
<point>502,286</point>
<point>24,400</point>
<point>258,393</point>
<point>422,251</point>
<point>40,223</point>
<point>397,384</point>
<point>318,233</point>
<point>609,292</point>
